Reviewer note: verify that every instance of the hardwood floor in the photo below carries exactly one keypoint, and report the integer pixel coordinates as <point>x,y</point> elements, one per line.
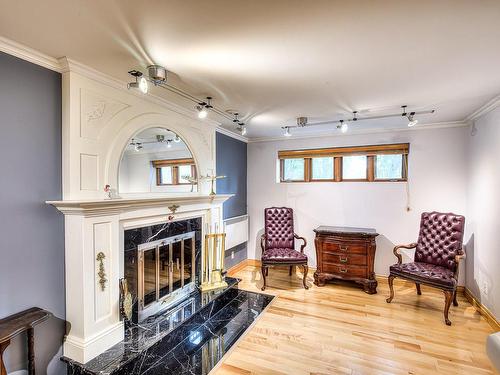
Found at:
<point>341,330</point>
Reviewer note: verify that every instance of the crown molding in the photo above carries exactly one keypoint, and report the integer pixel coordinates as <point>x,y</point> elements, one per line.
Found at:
<point>484,109</point>
<point>231,134</point>
<point>437,125</point>
<point>28,54</point>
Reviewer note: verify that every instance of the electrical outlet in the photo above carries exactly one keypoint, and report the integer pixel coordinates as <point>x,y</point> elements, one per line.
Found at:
<point>232,254</point>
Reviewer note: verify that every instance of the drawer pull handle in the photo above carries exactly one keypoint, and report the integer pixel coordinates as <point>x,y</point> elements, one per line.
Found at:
<point>343,260</point>
<point>343,270</point>
<point>343,248</point>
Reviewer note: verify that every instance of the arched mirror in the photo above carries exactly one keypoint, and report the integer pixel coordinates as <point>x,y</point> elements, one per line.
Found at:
<point>157,160</point>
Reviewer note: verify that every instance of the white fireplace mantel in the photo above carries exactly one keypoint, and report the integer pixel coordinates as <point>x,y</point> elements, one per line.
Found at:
<point>106,206</point>
<point>94,228</point>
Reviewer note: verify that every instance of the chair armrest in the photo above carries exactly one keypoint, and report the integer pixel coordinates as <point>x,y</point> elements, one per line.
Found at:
<point>262,245</point>
<point>303,239</point>
<point>398,255</point>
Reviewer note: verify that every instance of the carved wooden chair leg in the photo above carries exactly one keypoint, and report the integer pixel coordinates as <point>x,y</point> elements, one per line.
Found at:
<point>448,295</point>
<point>455,302</point>
<point>264,271</point>
<point>306,269</point>
<point>267,271</point>
<point>419,292</point>
<point>3,346</point>
<point>290,271</point>
<point>390,279</point>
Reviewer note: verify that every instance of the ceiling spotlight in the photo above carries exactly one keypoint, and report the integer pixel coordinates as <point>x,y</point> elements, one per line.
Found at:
<point>286,131</point>
<point>138,147</point>
<point>412,121</point>
<point>409,116</point>
<point>301,122</point>
<point>169,143</point>
<point>202,112</point>
<point>177,139</point>
<point>160,138</point>
<point>140,82</point>
<point>242,128</point>
<point>343,126</point>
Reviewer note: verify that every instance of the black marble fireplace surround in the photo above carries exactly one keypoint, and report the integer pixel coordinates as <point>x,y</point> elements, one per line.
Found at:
<point>138,236</point>
<point>189,337</point>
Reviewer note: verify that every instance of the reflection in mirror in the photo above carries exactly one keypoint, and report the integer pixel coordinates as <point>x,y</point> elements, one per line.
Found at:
<point>157,160</point>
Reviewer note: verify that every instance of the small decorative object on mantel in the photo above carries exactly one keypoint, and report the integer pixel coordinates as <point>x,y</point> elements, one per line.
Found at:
<point>110,192</point>
<point>212,178</point>
<point>345,253</point>
<point>102,274</point>
<point>173,208</point>
<point>213,260</point>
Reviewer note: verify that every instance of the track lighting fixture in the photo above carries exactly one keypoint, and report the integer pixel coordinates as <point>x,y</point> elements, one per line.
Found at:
<point>203,107</point>
<point>140,82</point>
<point>286,131</point>
<point>177,139</point>
<point>138,147</point>
<point>343,126</point>
<point>409,116</point>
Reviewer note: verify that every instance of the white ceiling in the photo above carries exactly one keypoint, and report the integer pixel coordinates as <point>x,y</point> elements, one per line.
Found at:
<point>274,60</point>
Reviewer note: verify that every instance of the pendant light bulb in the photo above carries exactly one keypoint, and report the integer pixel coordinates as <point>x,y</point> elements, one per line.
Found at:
<point>287,132</point>
<point>177,139</point>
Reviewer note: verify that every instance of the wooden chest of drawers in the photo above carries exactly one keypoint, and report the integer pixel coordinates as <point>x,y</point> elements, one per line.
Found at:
<point>344,253</point>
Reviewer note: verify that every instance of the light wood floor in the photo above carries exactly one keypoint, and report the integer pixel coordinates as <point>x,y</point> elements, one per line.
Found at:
<point>341,330</point>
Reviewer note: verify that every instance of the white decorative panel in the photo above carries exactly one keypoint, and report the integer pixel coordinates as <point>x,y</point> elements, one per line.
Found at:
<point>89,169</point>
<point>95,112</point>
<point>102,246</point>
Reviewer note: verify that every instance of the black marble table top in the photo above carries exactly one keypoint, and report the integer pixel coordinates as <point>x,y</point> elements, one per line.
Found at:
<point>188,343</point>
<point>371,232</point>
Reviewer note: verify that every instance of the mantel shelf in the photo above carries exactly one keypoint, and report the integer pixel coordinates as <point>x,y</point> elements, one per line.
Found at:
<point>124,204</point>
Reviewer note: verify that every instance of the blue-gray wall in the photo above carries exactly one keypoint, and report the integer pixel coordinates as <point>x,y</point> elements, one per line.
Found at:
<point>32,233</point>
<point>231,159</point>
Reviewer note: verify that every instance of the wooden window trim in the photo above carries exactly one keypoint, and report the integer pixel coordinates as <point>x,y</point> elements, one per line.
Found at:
<point>394,148</point>
<point>175,164</point>
<point>370,151</point>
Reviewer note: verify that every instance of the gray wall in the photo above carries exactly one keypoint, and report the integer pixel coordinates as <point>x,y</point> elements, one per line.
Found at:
<point>231,159</point>
<point>32,233</point>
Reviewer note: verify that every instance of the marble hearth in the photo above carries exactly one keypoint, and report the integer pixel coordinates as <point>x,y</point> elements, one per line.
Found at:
<point>190,338</point>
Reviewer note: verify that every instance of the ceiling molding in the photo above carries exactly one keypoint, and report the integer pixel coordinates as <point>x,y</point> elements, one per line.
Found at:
<point>231,134</point>
<point>330,133</point>
<point>484,109</point>
<point>28,54</point>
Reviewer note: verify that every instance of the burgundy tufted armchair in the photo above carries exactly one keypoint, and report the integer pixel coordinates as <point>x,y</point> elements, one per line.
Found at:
<point>278,243</point>
<point>437,256</point>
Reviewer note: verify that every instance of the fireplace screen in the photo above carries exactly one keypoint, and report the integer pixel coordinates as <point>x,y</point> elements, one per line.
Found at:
<point>166,271</point>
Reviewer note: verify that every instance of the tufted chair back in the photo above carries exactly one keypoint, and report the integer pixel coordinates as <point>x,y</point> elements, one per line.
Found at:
<point>440,239</point>
<point>279,228</point>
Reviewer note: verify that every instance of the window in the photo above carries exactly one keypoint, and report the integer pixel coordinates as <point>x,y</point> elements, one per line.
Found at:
<point>358,163</point>
<point>322,168</point>
<point>293,169</point>
<point>354,167</point>
<point>174,172</point>
<point>389,167</point>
